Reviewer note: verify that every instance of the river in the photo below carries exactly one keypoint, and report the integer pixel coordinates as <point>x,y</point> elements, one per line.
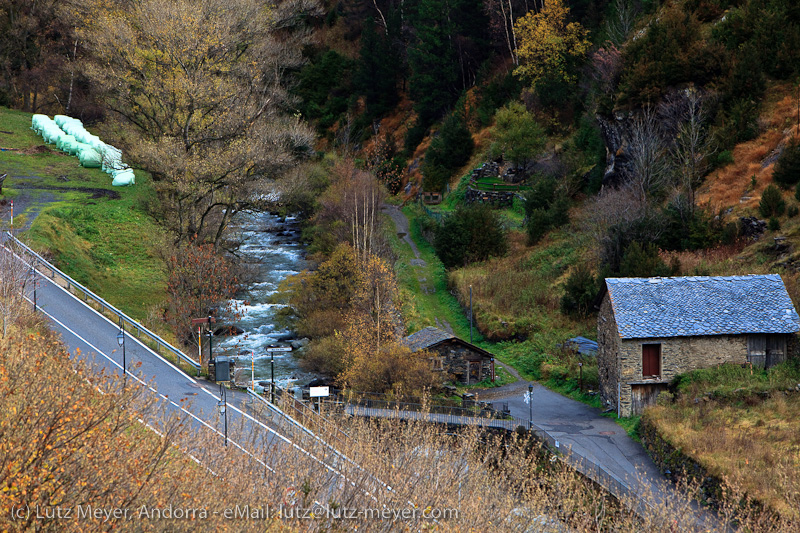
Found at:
<point>272,249</point>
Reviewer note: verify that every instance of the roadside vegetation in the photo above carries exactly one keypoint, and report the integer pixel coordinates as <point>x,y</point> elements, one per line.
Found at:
<point>78,437</point>
<point>102,236</point>
<point>741,425</point>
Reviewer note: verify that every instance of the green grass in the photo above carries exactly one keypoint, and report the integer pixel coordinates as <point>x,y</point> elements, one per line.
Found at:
<point>109,245</point>
<point>736,382</point>
<point>425,301</point>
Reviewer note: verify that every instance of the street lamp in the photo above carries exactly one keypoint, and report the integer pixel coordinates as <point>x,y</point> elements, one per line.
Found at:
<point>223,411</point>
<point>33,277</point>
<point>121,342</point>
<point>210,341</point>
<point>530,406</point>
<point>272,376</point>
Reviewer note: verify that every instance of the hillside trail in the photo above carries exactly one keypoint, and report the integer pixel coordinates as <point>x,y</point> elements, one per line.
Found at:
<point>402,227</point>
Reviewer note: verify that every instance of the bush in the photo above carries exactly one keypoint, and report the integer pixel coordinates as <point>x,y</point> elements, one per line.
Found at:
<point>772,203</point>
<point>545,208</point>
<point>580,292</point>
<point>792,211</point>
<point>470,234</point>
<point>642,261</point>
<point>787,169</point>
<point>774,224</point>
<point>449,150</point>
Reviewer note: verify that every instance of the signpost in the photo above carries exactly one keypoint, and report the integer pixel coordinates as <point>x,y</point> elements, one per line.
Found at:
<point>272,350</point>
<point>319,392</point>
<point>199,322</point>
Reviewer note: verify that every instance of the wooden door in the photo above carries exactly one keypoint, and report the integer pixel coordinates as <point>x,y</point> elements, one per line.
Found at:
<point>757,350</point>
<point>651,360</point>
<point>776,350</point>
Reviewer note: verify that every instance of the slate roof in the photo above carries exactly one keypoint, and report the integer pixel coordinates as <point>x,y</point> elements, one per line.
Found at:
<point>582,345</point>
<point>427,337</point>
<point>694,306</point>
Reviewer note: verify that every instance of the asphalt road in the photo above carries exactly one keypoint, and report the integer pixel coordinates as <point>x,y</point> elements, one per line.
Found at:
<point>92,337</point>
<point>599,447</point>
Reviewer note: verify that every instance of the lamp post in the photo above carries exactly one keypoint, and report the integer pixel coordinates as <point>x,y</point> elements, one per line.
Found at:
<point>272,376</point>
<point>121,342</point>
<point>210,340</point>
<point>33,278</point>
<point>530,406</point>
<point>580,379</point>
<point>223,404</point>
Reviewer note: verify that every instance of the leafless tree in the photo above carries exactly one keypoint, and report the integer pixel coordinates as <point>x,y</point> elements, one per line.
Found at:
<point>207,117</point>
<point>692,144</point>
<point>650,168</point>
<point>16,278</point>
<point>621,23</point>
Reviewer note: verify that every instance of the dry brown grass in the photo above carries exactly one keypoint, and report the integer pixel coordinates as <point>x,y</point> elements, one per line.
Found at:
<point>756,448</point>
<point>729,185</point>
<point>99,454</point>
<point>720,260</point>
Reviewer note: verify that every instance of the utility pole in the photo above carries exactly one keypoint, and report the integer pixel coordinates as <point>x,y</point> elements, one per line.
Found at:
<point>530,406</point>
<point>470,314</point>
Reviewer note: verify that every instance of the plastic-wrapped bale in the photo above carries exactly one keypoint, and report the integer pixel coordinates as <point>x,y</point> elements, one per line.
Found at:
<point>112,159</point>
<point>89,157</point>
<point>51,133</point>
<point>60,120</point>
<point>80,147</point>
<point>66,143</point>
<point>123,177</point>
<point>38,122</point>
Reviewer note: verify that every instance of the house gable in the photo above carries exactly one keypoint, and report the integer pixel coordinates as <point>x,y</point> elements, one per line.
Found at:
<point>652,329</point>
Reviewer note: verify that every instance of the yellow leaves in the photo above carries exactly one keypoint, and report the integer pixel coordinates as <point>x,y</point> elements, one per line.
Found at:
<point>548,45</point>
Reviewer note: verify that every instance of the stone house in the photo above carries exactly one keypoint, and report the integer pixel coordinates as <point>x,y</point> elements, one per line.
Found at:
<point>651,329</point>
<point>466,362</point>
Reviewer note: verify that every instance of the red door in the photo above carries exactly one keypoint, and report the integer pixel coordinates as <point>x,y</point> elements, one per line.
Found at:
<point>651,360</point>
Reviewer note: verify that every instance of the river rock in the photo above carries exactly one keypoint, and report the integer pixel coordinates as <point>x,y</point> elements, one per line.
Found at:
<point>228,330</point>
<point>299,343</point>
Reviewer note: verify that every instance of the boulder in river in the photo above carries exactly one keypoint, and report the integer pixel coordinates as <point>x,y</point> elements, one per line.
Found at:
<point>228,330</point>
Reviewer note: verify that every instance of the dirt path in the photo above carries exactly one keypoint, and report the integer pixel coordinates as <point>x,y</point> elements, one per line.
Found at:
<point>32,197</point>
<point>402,227</point>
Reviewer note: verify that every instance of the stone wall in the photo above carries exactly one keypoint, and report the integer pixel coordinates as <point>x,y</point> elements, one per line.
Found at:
<point>457,359</point>
<point>607,352</point>
<point>498,198</point>
<point>678,355</point>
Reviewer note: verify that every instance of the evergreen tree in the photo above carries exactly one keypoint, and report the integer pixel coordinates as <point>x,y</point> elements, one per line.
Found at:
<point>470,234</point>
<point>787,169</point>
<point>449,150</point>
<point>448,48</point>
<point>432,58</point>
<point>377,70</point>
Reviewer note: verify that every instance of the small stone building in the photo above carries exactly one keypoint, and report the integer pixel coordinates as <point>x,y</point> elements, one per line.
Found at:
<point>651,329</point>
<point>466,362</point>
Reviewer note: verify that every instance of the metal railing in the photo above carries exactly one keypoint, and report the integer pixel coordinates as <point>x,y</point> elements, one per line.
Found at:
<point>308,417</point>
<point>132,326</point>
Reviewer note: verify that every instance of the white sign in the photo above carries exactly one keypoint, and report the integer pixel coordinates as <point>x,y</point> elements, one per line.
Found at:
<point>319,392</point>
<point>527,397</point>
<point>280,349</point>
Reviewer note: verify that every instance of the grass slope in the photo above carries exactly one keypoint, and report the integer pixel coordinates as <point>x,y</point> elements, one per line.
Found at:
<point>742,426</point>
<point>109,244</point>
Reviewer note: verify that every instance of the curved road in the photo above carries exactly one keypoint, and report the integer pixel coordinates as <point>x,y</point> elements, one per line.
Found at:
<point>597,445</point>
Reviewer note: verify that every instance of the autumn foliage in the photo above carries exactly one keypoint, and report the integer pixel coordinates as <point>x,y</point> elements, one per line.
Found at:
<point>199,279</point>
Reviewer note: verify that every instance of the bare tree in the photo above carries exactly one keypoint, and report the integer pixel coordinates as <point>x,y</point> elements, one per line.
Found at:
<point>624,18</point>
<point>648,152</point>
<point>197,88</point>
<point>16,278</point>
<point>692,144</point>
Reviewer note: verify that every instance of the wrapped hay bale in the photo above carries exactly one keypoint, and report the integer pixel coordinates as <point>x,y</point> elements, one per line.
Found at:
<point>89,157</point>
<point>123,177</point>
